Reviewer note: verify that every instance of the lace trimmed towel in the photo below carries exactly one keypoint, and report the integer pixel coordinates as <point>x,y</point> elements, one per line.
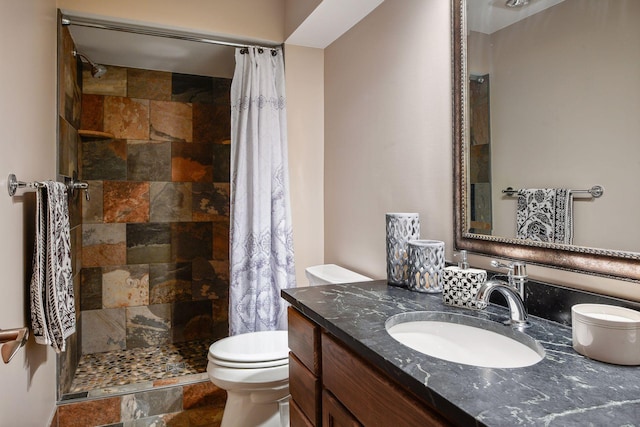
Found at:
<point>52,305</point>
<point>545,215</point>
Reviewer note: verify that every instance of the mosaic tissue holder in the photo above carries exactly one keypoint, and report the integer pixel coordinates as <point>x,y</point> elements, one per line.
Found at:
<point>426,266</point>
<point>401,228</point>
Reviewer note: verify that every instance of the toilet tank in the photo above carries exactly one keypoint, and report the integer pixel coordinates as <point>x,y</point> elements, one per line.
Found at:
<point>331,274</point>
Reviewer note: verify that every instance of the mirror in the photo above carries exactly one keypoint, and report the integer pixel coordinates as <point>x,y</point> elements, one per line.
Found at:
<point>553,94</point>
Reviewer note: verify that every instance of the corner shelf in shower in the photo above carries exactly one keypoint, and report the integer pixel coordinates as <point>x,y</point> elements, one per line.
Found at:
<point>94,134</point>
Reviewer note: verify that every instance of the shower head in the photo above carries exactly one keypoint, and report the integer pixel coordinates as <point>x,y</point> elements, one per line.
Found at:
<point>516,3</point>
<point>97,70</point>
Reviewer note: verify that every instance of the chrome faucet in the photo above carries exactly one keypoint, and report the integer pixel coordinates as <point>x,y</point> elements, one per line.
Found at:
<point>516,274</point>
<point>513,291</point>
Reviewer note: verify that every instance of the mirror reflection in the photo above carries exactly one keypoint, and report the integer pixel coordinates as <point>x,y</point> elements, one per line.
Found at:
<point>553,101</point>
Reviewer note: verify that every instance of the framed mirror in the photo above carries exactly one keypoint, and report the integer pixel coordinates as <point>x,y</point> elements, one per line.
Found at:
<point>552,91</point>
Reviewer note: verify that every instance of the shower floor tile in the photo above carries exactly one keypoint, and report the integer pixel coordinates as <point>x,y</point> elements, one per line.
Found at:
<point>144,367</point>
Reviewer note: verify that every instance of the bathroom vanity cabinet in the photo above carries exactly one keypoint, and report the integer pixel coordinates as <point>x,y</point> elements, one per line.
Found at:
<point>332,386</point>
<point>346,370</point>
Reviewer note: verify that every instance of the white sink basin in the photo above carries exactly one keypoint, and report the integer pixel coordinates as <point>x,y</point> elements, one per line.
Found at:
<point>465,339</point>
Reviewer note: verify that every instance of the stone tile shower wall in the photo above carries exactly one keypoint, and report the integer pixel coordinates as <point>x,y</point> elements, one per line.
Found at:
<point>155,231</point>
<point>480,156</point>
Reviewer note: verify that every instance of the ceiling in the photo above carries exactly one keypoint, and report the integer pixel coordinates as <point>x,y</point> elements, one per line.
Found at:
<point>111,47</point>
<point>489,16</point>
<point>323,26</point>
<point>330,20</point>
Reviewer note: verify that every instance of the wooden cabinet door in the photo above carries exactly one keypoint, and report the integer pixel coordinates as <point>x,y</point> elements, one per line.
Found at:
<point>334,414</point>
<point>368,393</point>
<point>297,417</point>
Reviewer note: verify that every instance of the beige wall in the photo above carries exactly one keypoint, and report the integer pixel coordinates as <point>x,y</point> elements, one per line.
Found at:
<point>387,131</point>
<point>388,140</point>
<point>28,123</point>
<point>247,19</point>
<point>305,116</point>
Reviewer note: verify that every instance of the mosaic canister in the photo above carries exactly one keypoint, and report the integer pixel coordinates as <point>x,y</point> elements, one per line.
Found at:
<point>401,228</point>
<point>426,266</point>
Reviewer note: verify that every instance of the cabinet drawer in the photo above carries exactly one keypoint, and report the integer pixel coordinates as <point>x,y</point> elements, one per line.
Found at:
<point>304,340</point>
<point>305,389</point>
<point>367,394</point>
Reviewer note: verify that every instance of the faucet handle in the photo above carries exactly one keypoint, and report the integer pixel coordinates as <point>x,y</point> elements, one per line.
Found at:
<point>498,264</point>
<point>519,270</point>
<point>516,269</point>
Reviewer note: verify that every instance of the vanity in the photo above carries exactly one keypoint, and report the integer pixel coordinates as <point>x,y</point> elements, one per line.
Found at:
<point>346,370</point>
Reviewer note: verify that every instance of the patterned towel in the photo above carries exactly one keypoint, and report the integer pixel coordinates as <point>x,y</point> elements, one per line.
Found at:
<point>52,305</point>
<point>545,215</point>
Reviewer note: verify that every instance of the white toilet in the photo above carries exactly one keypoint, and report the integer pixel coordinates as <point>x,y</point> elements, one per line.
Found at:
<point>254,368</point>
<point>332,274</point>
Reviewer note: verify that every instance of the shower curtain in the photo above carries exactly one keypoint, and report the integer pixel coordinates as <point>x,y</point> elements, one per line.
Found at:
<point>261,246</point>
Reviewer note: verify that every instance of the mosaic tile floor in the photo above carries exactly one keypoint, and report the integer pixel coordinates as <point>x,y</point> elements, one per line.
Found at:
<point>141,367</point>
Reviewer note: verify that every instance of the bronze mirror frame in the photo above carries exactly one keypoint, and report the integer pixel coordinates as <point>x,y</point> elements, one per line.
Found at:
<point>602,262</point>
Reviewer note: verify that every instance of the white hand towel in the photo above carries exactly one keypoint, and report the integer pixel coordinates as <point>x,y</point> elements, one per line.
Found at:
<point>52,304</point>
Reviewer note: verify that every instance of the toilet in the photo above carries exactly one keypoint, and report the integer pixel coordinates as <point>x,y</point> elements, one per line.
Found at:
<point>254,367</point>
<point>326,274</point>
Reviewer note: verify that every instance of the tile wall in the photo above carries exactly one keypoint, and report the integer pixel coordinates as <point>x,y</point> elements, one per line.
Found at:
<point>192,405</point>
<point>155,230</point>
<point>480,156</point>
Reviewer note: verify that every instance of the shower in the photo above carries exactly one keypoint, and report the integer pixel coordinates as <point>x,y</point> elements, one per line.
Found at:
<point>148,311</point>
<point>97,70</point>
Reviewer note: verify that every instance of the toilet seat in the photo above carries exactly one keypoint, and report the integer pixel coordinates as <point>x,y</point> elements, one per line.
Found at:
<point>245,365</point>
<point>255,360</point>
<point>251,350</point>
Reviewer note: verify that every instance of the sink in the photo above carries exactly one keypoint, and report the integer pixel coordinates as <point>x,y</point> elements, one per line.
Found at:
<point>465,339</point>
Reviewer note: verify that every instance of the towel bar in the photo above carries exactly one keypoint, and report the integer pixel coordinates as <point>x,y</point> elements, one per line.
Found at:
<point>13,184</point>
<point>72,185</point>
<point>595,191</point>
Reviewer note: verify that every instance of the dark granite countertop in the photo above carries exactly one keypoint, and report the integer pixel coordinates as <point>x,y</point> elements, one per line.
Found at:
<point>564,389</point>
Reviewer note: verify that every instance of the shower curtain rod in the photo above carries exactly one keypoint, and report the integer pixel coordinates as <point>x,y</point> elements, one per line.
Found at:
<point>148,31</point>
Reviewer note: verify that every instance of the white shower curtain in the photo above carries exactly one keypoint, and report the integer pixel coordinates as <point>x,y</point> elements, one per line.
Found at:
<point>261,253</point>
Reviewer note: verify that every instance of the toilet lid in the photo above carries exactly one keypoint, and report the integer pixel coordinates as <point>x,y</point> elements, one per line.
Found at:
<point>252,347</point>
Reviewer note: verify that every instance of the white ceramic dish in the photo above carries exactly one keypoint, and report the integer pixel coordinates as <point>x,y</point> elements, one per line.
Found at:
<point>606,333</point>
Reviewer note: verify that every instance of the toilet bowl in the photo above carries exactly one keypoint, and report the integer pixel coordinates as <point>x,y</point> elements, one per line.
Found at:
<point>254,367</point>
<point>254,370</point>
